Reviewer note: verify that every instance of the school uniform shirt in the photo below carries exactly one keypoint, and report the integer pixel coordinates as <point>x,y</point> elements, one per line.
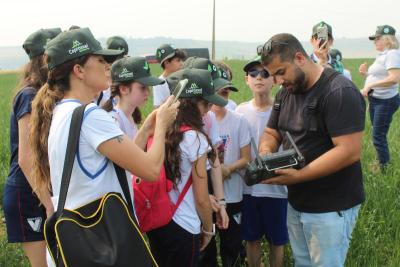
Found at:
<point>211,129</point>
<point>127,126</point>
<point>234,132</point>
<point>93,175</point>
<point>193,146</point>
<point>386,60</point>
<point>160,92</point>
<point>231,105</point>
<point>257,121</point>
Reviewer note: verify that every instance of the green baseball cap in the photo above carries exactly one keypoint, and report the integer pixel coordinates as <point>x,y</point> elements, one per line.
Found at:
<point>200,84</point>
<point>118,43</point>
<point>383,30</point>
<point>133,69</point>
<point>165,52</point>
<point>322,24</point>
<point>336,54</point>
<point>218,85</point>
<point>73,44</point>
<point>254,62</point>
<point>206,64</point>
<point>35,44</point>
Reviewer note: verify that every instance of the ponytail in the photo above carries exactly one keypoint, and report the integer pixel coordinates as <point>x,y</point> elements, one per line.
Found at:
<point>109,104</point>
<point>43,105</point>
<point>42,111</point>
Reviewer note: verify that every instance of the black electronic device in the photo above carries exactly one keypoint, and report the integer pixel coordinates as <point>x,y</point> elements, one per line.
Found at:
<point>263,167</point>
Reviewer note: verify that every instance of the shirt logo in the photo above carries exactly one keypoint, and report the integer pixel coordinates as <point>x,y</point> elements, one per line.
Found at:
<point>78,47</point>
<point>35,223</point>
<point>125,74</point>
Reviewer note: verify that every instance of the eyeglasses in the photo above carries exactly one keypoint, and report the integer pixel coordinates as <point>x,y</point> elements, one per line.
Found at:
<point>254,73</point>
<point>263,50</point>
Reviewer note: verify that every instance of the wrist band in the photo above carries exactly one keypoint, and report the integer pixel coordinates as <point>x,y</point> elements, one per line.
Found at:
<point>221,202</point>
<point>209,233</point>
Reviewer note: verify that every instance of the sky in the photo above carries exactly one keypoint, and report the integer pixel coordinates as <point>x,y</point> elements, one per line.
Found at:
<point>236,20</point>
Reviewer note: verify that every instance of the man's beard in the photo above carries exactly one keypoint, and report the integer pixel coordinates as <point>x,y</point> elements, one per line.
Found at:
<point>298,85</point>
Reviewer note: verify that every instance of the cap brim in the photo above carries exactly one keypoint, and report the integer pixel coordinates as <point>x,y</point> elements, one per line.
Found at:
<point>150,81</point>
<point>168,57</point>
<point>251,64</point>
<point>230,87</point>
<point>220,83</point>
<point>373,37</point>
<point>109,54</point>
<point>216,100</point>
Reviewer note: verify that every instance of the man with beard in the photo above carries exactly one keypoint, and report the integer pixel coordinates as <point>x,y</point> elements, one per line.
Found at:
<point>325,113</point>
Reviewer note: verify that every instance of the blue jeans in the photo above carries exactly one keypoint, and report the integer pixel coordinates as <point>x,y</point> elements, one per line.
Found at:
<point>381,113</point>
<point>320,239</point>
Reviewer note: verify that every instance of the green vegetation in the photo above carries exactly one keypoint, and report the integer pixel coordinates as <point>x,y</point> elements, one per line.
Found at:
<point>376,238</point>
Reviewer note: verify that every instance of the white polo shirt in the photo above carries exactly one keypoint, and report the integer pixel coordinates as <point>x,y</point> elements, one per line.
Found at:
<point>386,60</point>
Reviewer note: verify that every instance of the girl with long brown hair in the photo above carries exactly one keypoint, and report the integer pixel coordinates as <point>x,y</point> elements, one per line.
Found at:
<point>78,71</point>
<point>179,242</point>
<point>24,211</point>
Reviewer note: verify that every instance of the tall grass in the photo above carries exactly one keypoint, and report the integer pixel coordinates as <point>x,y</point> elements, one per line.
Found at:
<point>376,238</point>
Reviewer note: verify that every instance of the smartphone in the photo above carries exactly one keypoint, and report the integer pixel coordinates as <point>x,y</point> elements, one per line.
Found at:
<point>322,34</point>
<point>179,88</point>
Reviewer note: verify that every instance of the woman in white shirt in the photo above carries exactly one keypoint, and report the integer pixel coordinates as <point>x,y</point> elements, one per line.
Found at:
<point>78,71</point>
<point>381,87</point>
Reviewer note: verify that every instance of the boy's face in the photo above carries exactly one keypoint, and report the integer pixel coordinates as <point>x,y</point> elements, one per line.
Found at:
<point>174,64</point>
<point>258,84</point>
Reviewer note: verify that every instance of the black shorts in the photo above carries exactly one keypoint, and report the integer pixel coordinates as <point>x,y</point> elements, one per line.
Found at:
<point>24,216</point>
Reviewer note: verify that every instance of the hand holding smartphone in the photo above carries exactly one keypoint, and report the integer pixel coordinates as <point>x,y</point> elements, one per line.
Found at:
<point>179,89</point>
<point>322,35</point>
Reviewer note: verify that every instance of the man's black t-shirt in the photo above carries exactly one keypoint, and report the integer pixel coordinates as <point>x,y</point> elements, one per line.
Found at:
<point>340,110</point>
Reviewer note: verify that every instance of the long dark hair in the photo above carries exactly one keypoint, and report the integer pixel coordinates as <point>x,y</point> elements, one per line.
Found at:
<point>42,111</point>
<point>34,74</point>
<point>108,105</point>
<point>189,115</point>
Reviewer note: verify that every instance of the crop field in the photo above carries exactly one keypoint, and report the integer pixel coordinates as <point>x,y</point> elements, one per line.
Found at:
<point>376,238</point>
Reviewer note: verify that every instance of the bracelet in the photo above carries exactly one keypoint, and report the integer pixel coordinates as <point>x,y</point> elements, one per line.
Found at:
<point>209,233</point>
<point>222,202</point>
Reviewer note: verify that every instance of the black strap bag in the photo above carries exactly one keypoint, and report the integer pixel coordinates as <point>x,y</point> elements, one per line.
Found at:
<point>101,233</point>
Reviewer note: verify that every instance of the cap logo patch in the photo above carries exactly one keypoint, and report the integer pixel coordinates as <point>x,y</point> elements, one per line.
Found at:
<point>211,68</point>
<point>78,47</point>
<point>146,65</point>
<point>194,89</point>
<point>162,51</point>
<point>338,58</point>
<point>125,74</point>
<point>386,30</point>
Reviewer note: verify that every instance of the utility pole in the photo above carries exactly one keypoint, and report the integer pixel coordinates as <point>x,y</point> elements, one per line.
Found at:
<point>213,34</point>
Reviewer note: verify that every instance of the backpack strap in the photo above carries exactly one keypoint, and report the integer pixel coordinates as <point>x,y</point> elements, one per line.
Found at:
<point>72,145</point>
<point>183,193</point>
<point>314,103</point>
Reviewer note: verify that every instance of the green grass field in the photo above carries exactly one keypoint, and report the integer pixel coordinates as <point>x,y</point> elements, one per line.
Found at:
<point>376,238</point>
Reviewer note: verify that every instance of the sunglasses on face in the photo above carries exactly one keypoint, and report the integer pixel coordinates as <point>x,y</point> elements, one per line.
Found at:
<point>264,50</point>
<point>254,73</point>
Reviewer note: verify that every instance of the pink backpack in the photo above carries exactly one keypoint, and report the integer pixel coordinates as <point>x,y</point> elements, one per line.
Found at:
<point>153,206</point>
